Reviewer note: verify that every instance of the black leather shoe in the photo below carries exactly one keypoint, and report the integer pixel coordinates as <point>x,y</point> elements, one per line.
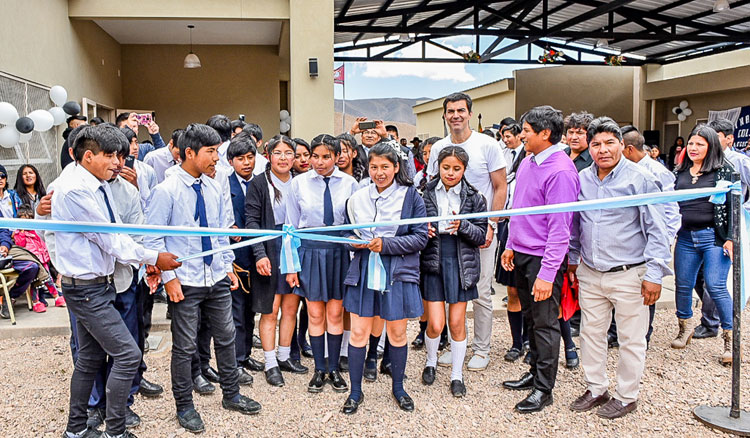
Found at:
<point>525,382</point>
<point>337,382</point>
<point>274,377</point>
<point>458,389</point>
<point>305,349</point>
<point>202,386</point>
<point>131,419</point>
<point>385,368</point>
<point>95,418</point>
<point>4,313</point>
<point>571,358</point>
<point>148,389</point>
<point>351,405</point>
<point>245,405</point>
<point>317,382</point>
<point>293,366</point>
<point>252,364</point>
<point>612,341</point>
<point>245,378</point>
<point>169,314</point>
<point>575,331</point>
<point>418,342</point>
<point>443,343</point>
<point>86,433</point>
<point>211,375</point>
<point>703,332</point>
<point>370,373</point>
<point>344,364</point>
<point>405,403</point>
<point>534,402</point>
<point>428,375</point>
<point>257,342</point>
<point>513,354</point>
<point>191,421</point>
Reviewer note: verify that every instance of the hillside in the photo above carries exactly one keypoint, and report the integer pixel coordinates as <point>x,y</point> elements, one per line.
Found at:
<point>405,130</point>
<point>392,108</point>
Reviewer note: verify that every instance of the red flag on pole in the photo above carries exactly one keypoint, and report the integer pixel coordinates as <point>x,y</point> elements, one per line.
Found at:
<point>338,75</point>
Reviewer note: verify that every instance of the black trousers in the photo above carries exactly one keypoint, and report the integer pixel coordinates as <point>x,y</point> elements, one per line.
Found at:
<point>213,304</point>
<point>544,328</point>
<point>244,318</point>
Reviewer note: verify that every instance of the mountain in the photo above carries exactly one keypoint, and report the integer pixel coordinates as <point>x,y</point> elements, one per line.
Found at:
<point>391,108</point>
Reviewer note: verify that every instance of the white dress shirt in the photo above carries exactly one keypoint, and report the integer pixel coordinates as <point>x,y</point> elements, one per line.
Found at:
<point>448,203</point>
<point>665,180</point>
<point>90,255</point>
<point>6,204</point>
<point>242,180</point>
<point>367,205</point>
<point>279,207</point>
<point>129,210</point>
<point>222,151</point>
<point>173,203</point>
<point>160,160</point>
<point>146,181</point>
<point>304,203</point>
<point>49,236</point>
<point>741,164</point>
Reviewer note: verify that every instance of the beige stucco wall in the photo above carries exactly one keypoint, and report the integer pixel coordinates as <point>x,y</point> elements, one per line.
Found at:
<point>209,9</point>
<point>599,90</point>
<point>233,80</point>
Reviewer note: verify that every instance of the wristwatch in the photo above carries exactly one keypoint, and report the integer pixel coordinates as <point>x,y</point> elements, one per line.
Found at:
<point>493,224</point>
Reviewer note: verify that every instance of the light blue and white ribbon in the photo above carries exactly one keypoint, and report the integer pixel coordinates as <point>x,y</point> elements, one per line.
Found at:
<point>376,275</point>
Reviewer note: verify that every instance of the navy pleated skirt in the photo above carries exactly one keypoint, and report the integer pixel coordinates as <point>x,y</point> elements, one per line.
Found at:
<point>502,276</point>
<point>261,289</point>
<point>446,286</point>
<point>400,301</point>
<point>282,287</point>
<point>324,266</point>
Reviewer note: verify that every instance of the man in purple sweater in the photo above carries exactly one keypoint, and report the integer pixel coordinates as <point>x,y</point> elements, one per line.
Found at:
<point>537,248</point>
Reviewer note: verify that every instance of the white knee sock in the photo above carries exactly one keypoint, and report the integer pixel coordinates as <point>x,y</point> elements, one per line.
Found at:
<point>431,344</point>
<point>345,344</point>
<point>284,352</point>
<point>458,354</point>
<point>270,359</point>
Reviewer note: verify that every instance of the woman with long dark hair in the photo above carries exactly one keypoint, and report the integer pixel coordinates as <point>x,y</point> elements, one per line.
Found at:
<point>674,152</point>
<point>29,185</point>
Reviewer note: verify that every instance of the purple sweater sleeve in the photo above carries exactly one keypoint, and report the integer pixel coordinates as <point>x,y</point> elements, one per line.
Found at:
<point>561,187</point>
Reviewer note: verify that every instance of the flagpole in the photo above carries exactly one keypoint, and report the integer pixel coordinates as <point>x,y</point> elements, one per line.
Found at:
<point>343,84</point>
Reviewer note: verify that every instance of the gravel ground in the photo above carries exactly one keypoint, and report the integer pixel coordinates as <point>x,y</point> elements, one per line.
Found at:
<point>35,375</point>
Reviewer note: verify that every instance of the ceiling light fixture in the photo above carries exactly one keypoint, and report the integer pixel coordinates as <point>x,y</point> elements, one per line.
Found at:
<point>191,60</point>
<point>721,5</point>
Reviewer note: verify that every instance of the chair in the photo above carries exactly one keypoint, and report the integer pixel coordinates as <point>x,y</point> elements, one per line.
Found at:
<point>7,280</point>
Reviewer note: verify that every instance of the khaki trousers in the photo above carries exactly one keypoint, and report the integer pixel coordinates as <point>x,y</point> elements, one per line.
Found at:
<point>483,305</point>
<point>599,292</point>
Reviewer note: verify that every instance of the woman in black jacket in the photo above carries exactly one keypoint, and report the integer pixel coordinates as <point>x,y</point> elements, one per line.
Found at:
<point>264,209</point>
<point>450,262</point>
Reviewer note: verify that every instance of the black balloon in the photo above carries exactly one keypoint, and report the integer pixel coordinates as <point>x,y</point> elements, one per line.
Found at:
<point>24,125</point>
<point>71,108</point>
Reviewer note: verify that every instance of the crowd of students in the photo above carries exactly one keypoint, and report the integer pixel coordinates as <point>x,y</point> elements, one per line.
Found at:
<point>223,174</point>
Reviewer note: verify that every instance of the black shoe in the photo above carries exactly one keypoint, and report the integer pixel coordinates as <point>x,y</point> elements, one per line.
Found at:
<point>169,314</point>
<point>458,389</point>
<point>305,349</point>
<point>257,343</point>
<point>612,341</point>
<point>492,290</point>
<point>245,378</point>
<point>571,358</point>
<point>443,343</point>
<point>202,386</point>
<point>317,382</point>
<point>534,402</point>
<point>293,366</point>
<point>513,354</point>
<point>4,313</point>
<point>344,364</point>
<point>527,358</point>
<point>86,433</point>
<point>191,421</point>
<point>418,342</point>
<point>525,382</point>
<point>337,382</point>
<point>351,405</point>
<point>146,347</point>
<point>405,403</point>
<point>211,375</point>
<point>428,375</point>
<point>148,389</point>
<point>703,332</point>
<point>505,300</point>
<point>252,364</point>
<point>160,297</point>
<point>245,405</point>
<point>274,377</point>
<point>131,419</point>
<point>370,373</point>
<point>575,331</point>
<point>96,418</point>
<point>385,368</point>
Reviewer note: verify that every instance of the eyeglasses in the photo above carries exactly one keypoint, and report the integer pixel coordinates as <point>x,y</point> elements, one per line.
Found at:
<point>2,175</point>
<point>287,154</point>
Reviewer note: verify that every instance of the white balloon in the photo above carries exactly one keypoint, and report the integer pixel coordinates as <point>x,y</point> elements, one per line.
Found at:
<point>58,114</point>
<point>684,104</point>
<point>687,111</point>
<point>9,136</point>
<point>283,114</point>
<point>43,120</point>
<point>58,95</point>
<point>284,126</point>
<point>681,117</point>
<point>288,120</point>
<point>25,138</point>
<point>8,114</point>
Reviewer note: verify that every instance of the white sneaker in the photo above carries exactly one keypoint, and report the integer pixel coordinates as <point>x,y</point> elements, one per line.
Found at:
<point>478,362</point>
<point>445,359</point>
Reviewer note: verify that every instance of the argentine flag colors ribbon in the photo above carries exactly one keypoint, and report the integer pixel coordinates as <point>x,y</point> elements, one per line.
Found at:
<point>290,243</point>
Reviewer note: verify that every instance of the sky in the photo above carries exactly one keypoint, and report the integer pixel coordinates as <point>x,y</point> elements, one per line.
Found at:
<point>426,80</point>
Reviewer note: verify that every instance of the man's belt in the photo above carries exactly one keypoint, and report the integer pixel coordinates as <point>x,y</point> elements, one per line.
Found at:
<point>625,267</point>
<point>107,279</point>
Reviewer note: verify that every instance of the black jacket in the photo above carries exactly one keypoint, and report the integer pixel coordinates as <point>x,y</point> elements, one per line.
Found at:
<point>471,234</point>
<point>722,212</point>
<point>242,256</point>
<point>259,215</point>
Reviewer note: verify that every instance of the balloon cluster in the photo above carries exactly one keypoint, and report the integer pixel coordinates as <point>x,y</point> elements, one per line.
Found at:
<point>285,123</point>
<point>682,111</point>
<point>19,129</point>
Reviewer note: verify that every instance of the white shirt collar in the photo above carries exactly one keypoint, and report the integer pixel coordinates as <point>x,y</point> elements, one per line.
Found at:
<point>187,178</point>
<point>455,189</point>
<point>373,191</point>
<point>336,173</point>
<point>89,180</point>
<point>541,156</point>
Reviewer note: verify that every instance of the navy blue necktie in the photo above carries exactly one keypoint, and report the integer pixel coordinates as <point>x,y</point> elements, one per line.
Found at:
<point>327,203</point>
<point>245,183</point>
<point>200,214</point>
<point>109,207</point>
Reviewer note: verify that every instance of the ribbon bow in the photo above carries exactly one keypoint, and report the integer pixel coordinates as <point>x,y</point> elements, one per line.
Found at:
<point>721,198</point>
<point>289,258</point>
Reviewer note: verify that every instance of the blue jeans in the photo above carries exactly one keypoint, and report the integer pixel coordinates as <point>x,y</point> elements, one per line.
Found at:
<point>692,249</point>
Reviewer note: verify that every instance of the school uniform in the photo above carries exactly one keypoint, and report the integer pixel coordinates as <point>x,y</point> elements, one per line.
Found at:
<point>183,200</point>
<point>450,262</point>
<point>87,266</point>
<point>317,201</point>
<point>400,254</point>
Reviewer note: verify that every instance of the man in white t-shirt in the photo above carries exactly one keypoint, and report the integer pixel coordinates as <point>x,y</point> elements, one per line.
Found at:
<point>487,173</point>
